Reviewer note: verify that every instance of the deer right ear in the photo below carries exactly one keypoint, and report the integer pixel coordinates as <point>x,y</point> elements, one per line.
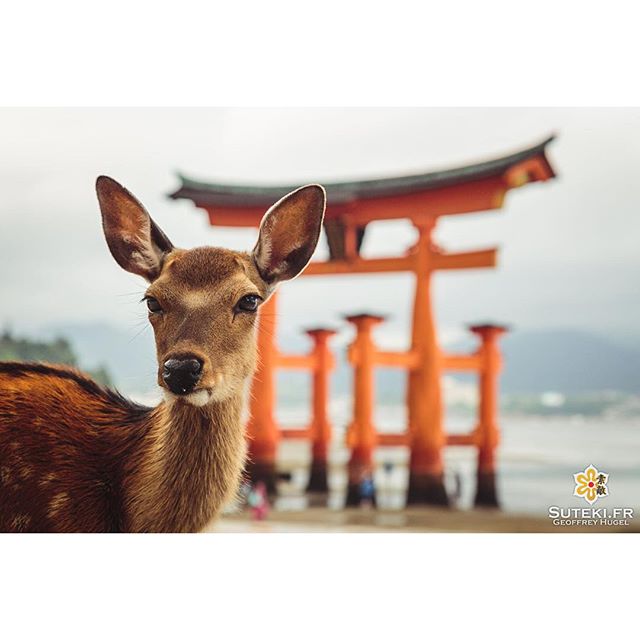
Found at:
<point>289,234</point>
<point>135,240</point>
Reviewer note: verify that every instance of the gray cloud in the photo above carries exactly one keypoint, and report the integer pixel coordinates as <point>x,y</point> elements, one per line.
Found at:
<point>569,248</point>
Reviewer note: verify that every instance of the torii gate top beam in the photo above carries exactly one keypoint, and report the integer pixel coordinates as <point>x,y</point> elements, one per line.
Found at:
<point>352,205</point>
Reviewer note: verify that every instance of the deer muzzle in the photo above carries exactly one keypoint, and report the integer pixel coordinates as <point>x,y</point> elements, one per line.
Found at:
<point>181,375</point>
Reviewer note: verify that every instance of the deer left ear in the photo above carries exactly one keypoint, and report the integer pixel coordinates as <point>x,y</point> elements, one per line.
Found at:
<point>136,242</point>
<point>289,233</point>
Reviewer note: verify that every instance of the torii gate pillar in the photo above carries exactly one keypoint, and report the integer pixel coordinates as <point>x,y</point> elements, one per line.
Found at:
<point>487,430</point>
<point>262,428</point>
<point>320,424</point>
<point>426,434</point>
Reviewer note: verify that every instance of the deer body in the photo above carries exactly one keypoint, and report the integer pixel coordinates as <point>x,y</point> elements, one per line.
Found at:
<point>76,457</point>
<point>85,459</point>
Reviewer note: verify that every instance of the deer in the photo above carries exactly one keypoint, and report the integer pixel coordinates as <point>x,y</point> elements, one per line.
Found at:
<point>79,457</point>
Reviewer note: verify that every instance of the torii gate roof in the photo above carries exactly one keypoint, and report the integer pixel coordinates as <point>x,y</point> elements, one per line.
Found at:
<point>211,195</point>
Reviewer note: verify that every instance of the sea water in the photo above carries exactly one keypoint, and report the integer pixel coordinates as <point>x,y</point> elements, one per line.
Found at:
<point>536,459</point>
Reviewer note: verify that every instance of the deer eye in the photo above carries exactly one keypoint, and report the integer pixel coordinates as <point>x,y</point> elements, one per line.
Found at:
<point>248,304</point>
<point>153,305</point>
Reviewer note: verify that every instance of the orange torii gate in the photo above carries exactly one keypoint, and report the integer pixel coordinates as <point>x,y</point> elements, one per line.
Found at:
<point>422,199</point>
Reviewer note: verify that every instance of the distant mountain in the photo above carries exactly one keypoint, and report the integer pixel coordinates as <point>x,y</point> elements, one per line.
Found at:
<point>564,360</point>
<point>57,351</point>
<point>568,361</point>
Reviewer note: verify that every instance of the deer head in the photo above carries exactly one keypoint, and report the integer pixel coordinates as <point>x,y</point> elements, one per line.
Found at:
<point>203,302</point>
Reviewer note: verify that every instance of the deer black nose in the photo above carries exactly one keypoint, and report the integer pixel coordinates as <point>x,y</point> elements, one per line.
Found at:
<point>182,374</point>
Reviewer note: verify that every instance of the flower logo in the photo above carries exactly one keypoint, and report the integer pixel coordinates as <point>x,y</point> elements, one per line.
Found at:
<point>591,484</point>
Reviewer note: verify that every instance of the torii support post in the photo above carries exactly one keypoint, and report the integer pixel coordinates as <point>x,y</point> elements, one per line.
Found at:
<point>488,433</point>
<point>262,430</point>
<point>426,434</point>
<point>361,434</point>
<point>320,425</point>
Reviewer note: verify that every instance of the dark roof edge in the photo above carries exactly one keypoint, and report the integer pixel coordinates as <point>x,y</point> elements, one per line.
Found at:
<point>253,194</point>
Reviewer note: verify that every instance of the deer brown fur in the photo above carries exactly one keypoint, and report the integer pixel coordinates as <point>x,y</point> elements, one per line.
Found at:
<point>75,456</point>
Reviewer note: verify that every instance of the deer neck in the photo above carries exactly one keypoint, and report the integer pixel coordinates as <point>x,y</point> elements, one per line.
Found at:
<point>188,466</point>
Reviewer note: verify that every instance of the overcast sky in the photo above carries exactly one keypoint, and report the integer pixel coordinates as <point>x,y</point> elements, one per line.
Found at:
<point>569,248</point>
